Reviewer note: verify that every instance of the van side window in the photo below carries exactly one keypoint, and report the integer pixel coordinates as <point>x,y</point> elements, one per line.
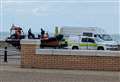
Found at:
<point>88,40</point>
<point>84,39</point>
<point>91,40</point>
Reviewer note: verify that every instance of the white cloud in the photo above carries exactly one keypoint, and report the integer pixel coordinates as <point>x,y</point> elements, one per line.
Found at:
<point>48,9</point>
<point>41,10</point>
<point>36,11</point>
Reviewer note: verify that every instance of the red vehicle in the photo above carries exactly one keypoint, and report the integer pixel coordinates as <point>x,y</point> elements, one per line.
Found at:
<point>54,42</point>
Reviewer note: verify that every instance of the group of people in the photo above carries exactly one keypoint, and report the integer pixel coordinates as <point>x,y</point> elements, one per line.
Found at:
<point>18,33</point>
<point>43,36</point>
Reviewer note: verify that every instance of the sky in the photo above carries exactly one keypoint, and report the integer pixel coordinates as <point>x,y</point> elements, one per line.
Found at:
<point>47,14</point>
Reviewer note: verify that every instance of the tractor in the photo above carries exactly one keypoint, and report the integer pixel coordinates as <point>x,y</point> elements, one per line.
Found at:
<point>16,34</point>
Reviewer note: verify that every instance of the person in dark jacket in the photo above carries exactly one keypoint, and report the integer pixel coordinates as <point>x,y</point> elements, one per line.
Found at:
<point>30,34</point>
<point>42,33</point>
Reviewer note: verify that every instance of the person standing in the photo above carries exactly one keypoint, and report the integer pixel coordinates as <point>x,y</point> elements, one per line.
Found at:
<point>42,33</point>
<point>30,34</point>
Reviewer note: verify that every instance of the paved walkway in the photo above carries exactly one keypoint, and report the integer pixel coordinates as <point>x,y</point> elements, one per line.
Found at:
<point>13,73</point>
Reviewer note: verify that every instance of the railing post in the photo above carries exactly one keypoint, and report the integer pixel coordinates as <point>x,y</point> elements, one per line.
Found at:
<point>5,55</point>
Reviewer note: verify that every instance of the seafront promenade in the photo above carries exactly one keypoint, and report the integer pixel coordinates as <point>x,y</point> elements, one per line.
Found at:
<point>13,73</point>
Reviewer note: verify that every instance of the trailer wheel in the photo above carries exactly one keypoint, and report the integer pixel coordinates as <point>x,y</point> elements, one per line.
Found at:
<point>75,48</point>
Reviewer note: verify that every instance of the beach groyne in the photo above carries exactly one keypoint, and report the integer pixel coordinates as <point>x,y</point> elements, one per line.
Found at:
<point>34,57</point>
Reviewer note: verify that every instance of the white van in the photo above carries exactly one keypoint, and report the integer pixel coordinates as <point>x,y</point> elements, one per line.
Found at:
<point>89,43</point>
<point>88,38</point>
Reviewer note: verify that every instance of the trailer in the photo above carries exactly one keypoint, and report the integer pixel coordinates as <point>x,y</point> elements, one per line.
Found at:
<point>54,42</point>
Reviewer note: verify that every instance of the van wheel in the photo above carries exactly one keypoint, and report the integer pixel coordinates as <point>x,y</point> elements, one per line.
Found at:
<point>100,48</point>
<point>75,48</point>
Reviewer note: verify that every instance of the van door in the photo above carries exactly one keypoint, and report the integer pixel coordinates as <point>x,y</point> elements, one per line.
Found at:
<point>91,44</point>
<point>88,44</point>
<point>73,40</point>
<point>83,44</point>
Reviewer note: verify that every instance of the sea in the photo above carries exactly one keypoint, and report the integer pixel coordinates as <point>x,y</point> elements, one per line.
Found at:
<point>4,35</point>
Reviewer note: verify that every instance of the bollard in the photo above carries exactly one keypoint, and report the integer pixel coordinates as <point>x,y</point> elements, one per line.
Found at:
<point>5,55</point>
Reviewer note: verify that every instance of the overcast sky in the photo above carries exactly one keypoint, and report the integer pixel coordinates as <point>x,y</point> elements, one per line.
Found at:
<point>47,14</point>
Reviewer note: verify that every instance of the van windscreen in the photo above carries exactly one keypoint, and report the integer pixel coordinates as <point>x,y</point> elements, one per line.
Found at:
<point>106,37</point>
